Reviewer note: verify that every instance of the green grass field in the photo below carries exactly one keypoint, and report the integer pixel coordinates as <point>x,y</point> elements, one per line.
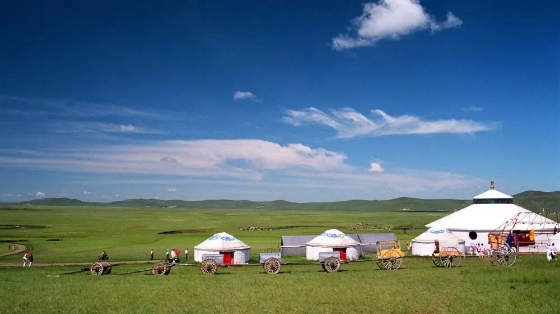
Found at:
<point>530,286</point>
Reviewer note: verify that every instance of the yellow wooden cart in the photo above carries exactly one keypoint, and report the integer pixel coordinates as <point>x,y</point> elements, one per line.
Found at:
<point>389,254</point>
<point>447,254</point>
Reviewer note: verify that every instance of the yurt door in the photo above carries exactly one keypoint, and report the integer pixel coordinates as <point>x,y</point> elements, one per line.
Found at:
<point>228,258</point>
<point>342,253</point>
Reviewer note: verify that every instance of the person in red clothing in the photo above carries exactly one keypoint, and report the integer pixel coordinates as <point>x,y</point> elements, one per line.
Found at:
<point>28,257</point>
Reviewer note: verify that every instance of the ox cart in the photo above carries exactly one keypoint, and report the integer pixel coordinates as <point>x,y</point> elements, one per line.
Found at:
<point>271,262</point>
<point>447,254</point>
<point>389,254</point>
<point>504,248</point>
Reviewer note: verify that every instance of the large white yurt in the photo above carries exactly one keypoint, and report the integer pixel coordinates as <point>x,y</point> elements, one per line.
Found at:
<point>333,241</point>
<point>494,212</point>
<point>555,239</point>
<point>233,249</point>
<point>424,244</point>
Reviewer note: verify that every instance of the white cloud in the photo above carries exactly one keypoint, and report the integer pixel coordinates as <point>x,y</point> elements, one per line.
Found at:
<point>375,167</point>
<point>473,109</point>
<point>244,95</point>
<point>256,163</point>
<point>4,195</point>
<point>117,195</point>
<point>171,190</point>
<point>391,19</point>
<point>87,193</point>
<point>40,194</point>
<point>249,159</point>
<point>349,123</point>
<point>128,128</point>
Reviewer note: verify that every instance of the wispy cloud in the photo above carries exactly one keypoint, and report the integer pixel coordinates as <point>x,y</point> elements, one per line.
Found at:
<point>473,109</point>
<point>70,108</point>
<point>257,163</point>
<point>349,123</point>
<point>391,19</point>
<point>172,190</point>
<point>245,95</point>
<point>40,194</point>
<point>87,193</point>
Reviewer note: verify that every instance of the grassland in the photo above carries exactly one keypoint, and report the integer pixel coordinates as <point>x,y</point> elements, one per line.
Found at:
<point>530,286</point>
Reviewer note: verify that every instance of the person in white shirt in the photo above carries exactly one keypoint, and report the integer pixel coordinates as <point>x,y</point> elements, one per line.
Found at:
<point>186,254</point>
<point>551,252</point>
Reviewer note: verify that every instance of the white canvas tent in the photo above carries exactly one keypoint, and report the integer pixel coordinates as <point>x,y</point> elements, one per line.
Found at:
<point>494,211</point>
<point>333,240</point>
<point>234,250</point>
<point>555,239</point>
<point>424,244</point>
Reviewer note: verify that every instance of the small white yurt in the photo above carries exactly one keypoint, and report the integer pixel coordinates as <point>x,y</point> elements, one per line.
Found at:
<point>233,249</point>
<point>424,244</point>
<point>333,241</point>
<point>555,239</point>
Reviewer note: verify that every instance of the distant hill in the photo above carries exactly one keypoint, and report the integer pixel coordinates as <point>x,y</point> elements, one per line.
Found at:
<point>533,200</point>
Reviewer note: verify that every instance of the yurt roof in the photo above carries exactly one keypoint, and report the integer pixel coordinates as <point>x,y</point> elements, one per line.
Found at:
<point>555,237</point>
<point>222,242</point>
<point>492,194</point>
<point>433,234</point>
<point>490,217</point>
<point>333,238</point>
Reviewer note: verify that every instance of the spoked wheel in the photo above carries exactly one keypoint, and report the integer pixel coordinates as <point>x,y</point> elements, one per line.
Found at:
<point>380,264</point>
<point>437,261</point>
<point>455,261</point>
<point>391,260</point>
<point>208,267</point>
<point>106,268</point>
<point>331,264</point>
<point>271,266</point>
<point>96,268</point>
<point>160,268</point>
<point>509,257</point>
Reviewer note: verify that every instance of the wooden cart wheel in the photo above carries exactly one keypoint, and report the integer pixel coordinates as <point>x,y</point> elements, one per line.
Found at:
<point>379,263</point>
<point>160,268</point>
<point>96,269</point>
<point>455,258</point>
<point>509,257</point>
<point>437,261</point>
<point>271,266</point>
<point>331,264</point>
<point>391,260</point>
<point>106,268</point>
<point>208,267</point>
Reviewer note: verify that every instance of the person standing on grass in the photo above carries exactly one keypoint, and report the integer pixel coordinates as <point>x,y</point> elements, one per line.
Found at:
<point>186,255</point>
<point>152,254</point>
<point>167,255</point>
<point>24,259</point>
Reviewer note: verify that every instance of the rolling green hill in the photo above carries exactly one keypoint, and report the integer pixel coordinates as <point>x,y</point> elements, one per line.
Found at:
<point>533,200</point>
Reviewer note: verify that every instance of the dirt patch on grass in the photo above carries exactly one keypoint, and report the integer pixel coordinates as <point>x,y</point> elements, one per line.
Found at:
<point>25,209</point>
<point>184,231</point>
<point>136,227</point>
<point>282,228</point>
<point>22,227</point>
<point>12,241</point>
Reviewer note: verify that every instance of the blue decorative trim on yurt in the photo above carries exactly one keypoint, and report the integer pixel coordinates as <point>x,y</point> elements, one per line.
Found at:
<point>332,235</point>
<point>224,238</point>
<point>439,231</point>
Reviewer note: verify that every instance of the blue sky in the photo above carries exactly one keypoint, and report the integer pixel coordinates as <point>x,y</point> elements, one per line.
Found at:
<point>294,100</point>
